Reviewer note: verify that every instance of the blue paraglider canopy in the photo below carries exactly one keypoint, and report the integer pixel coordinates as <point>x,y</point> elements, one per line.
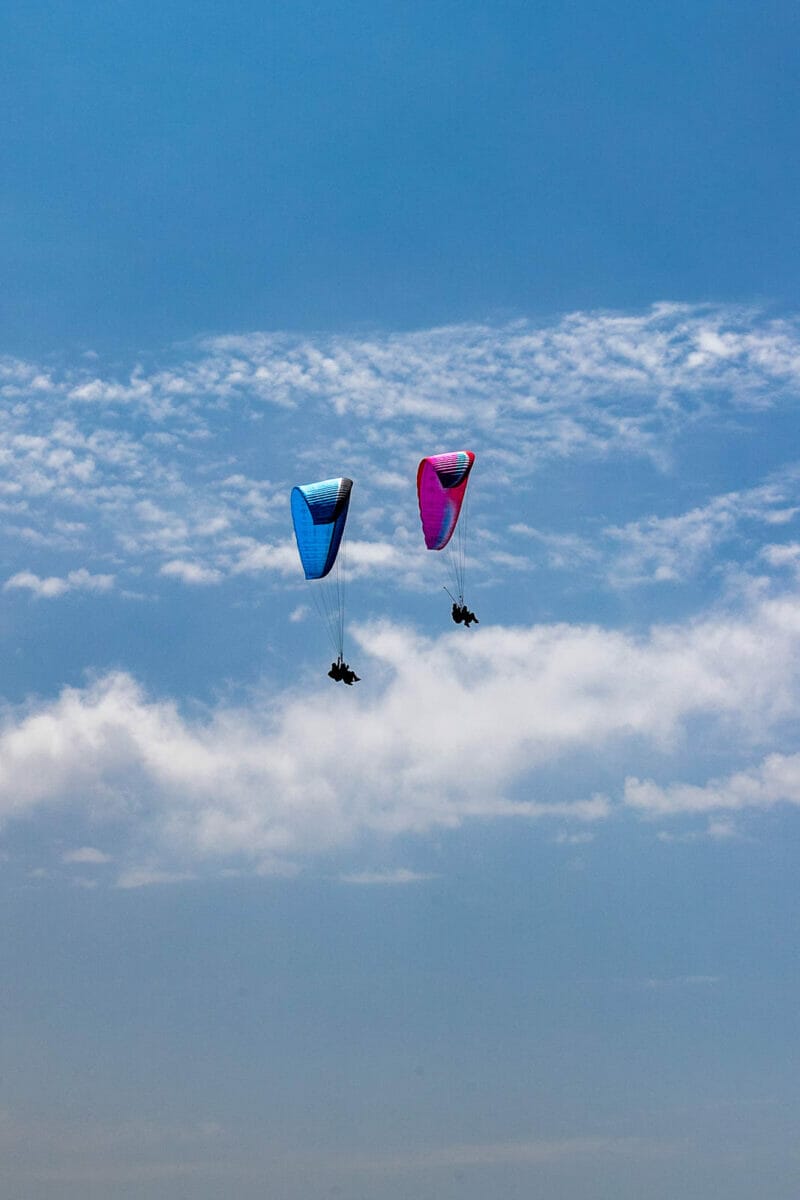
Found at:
<point>319,513</point>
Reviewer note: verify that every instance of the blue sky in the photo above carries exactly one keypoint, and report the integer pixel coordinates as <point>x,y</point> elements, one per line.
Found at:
<point>518,914</point>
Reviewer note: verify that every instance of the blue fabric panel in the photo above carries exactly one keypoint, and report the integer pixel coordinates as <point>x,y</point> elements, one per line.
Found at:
<point>319,513</point>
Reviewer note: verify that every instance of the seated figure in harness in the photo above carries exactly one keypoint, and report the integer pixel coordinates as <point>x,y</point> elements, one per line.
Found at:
<point>461,613</point>
<point>342,673</point>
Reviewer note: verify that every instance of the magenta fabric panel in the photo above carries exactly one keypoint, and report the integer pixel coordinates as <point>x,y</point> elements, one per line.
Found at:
<point>441,485</point>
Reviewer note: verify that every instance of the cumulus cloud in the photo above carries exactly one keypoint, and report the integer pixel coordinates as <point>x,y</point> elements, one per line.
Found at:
<point>253,557</point>
<point>776,780</point>
<point>715,830</point>
<point>190,572</point>
<point>403,562</point>
<point>191,500</point>
<point>447,731</point>
<point>53,585</point>
<point>782,555</point>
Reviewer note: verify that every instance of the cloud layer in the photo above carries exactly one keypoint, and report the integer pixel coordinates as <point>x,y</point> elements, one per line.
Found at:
<point>171,482</point>
<point>146,470</point>
<point>449,730</point>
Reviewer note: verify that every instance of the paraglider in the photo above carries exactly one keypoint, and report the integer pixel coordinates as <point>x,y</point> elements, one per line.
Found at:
<point>460,613</point>
<point>342,673</point>
<point>319,515</point>
<point>441,489</point>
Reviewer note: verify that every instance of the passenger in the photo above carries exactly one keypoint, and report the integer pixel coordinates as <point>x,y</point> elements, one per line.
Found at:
<point>461,613</point>
<point>342,673</point>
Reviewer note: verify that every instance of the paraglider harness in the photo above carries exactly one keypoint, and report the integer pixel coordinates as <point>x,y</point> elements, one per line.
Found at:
<point>341,673</point>
<point>460,613</point>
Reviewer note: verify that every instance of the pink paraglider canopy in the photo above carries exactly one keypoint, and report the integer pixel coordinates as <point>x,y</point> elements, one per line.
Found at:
<point>441,485</point>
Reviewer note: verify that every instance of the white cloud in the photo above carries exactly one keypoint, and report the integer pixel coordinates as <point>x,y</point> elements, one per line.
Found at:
<point>672,548</point>
<point>574,839</point>
<point>785,555</point>
<point>190,572</point>
<point>488,373</point>
<point>717,830</point>
<point>44,588</point>
<point>363,558</point>
<point>398,876</point>
<point>53,586</point>
<point>774,781</point>
<point>722,830</point>
<point>147,876</point>
<point>441,732</point>
<point>591,385</point>
<point>86,854</point>
<point>253,556</point>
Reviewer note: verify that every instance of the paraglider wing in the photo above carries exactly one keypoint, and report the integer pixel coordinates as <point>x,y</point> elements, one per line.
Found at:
<point>441,484</point>
<point>319,513</point>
